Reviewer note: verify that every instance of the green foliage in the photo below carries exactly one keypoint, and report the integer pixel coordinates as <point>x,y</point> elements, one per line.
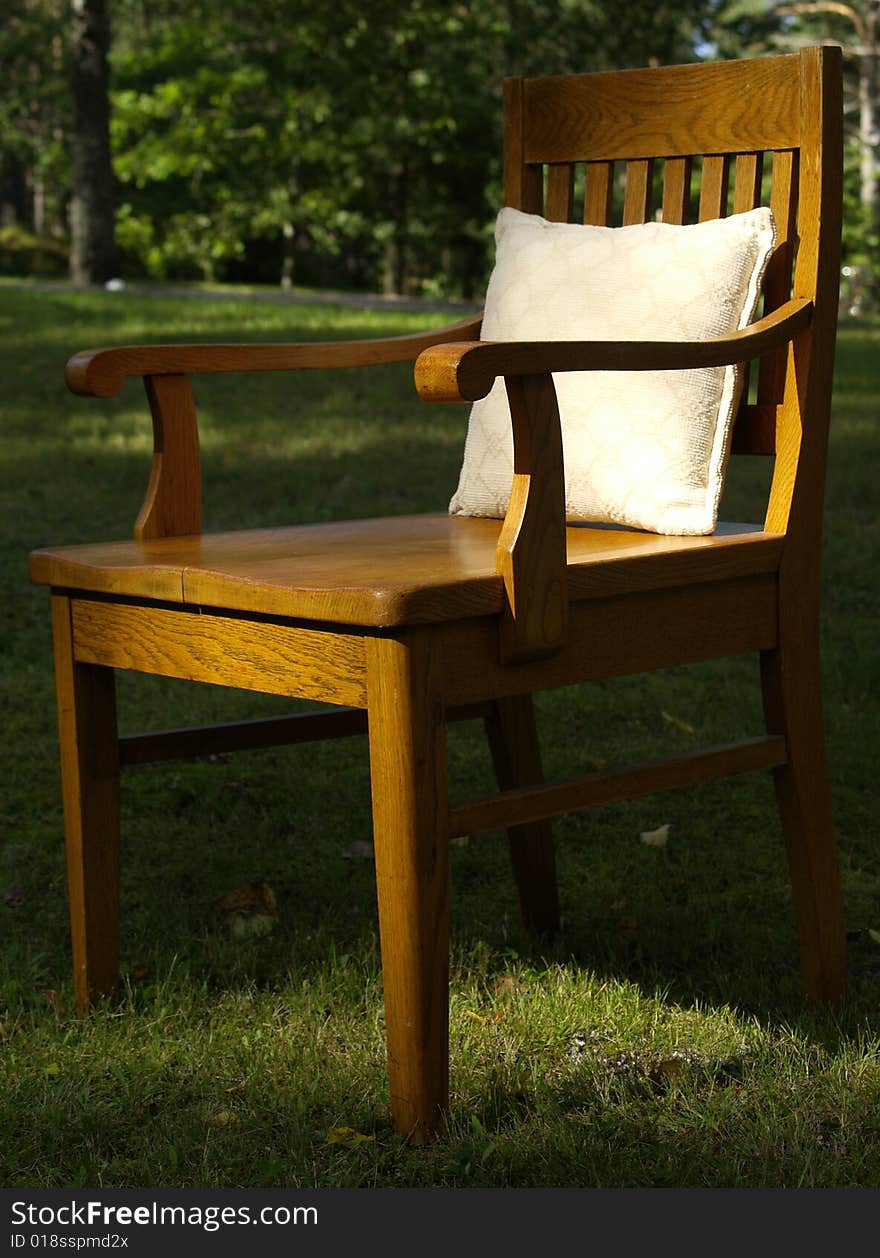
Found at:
<point>351,144</point>
<point>24,253</point>
<point>356,143</point>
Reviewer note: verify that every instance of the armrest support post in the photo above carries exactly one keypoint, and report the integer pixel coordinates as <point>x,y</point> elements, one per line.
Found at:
<point>173,503</point>
<point>531,552</point>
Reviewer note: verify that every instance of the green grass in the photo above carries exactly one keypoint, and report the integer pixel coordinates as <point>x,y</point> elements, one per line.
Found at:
<point>661,1041</point>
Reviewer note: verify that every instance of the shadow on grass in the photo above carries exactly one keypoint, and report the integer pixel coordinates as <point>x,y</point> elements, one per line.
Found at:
<point>684,932</point>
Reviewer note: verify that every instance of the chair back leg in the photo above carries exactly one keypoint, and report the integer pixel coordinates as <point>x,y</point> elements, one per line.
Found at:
<point>516,755</point>
<point>791,685</point>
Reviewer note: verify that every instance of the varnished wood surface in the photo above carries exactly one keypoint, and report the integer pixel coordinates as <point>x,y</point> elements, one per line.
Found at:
<point>87,738</point>
<point>411,840</point>
<point>173,503</point>
<point>409,569</point>
<point>193,742</point>
<point>616,635</point>
<point>103,372</point>
<point>246,654</point>
<point>516,756</point>
<point>554,799</point>
<point>673,111</point>
<point>464,372</point>
<point>531,552</point>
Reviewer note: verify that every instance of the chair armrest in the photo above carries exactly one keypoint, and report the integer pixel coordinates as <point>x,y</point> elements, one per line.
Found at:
<point>103,372</point>
<point>463,372</point>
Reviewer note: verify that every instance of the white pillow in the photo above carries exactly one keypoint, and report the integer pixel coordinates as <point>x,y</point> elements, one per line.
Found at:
<point>643,448</point>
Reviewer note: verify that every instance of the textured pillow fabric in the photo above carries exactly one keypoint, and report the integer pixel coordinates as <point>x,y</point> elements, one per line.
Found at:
<point>646,449</point>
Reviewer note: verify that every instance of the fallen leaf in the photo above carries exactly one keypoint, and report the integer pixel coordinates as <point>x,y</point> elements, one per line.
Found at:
<point>53,1069</point>
<point>222,1119</point>
<point>666,1072</point>
<point>347,1135</point>
<point>496,1016</point>
<point>250,897</point>
<point>13,898</point>
<point>656,838</point>
<point>477,1017</point>
<point>506,985</point>
<point>139,973</point>
<point>360,849</point>
<point>246,925</point>
<point>677,723</point>
<point>249,909</point>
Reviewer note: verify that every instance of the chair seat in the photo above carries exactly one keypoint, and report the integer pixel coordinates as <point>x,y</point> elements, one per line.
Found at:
<point>395,571</point>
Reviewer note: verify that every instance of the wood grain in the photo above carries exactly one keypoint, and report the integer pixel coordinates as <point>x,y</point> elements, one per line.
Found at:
<point>777,280</point>
<point>637,196</point>
<point>246,654</point>
<point>523,184</point>
<point>599,194</point>
<point>531,551</point>
<point>616,635</point>
<point>516,756</point>
<point>90,786</point>
<point>530,804</point>
<point>173,504</point>
<point>673,111</point>
<point>714,181</point>
<point>407,569</point>
<point>254,735</point>
<point>464,372</point>
<point>408,772</point>
<point>677,190</point>
<point>560,190</point>
<point>103,372</point>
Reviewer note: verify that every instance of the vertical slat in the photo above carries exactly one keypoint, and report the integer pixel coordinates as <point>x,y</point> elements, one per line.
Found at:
<point>598,194</point>
<point>713,188</point>
<point>637,198</point>
<point>523,184</point>
<point>677,190</point>
<point>749,168</point>
<point>560,187</point>
<point>747,182</point>
<point>777,281</point>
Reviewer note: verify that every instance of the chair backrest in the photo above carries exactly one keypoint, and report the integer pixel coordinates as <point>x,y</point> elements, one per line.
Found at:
<point>605,147</point>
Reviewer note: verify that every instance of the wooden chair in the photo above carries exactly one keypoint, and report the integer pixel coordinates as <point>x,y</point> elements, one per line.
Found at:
<point>407,622</point>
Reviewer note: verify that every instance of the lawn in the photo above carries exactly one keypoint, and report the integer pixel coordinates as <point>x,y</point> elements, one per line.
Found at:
<point>660,1041</point>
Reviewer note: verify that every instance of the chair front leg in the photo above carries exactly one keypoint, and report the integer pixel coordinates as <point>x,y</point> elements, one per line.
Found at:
<point>408,772</point>
<point>90,785</point>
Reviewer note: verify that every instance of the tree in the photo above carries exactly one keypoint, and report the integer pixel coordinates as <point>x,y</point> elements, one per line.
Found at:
<point>92,220</point>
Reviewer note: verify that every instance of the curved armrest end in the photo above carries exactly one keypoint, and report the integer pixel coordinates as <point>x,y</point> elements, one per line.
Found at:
<point>95,373</point>
<point>462,371</point>
<point>450,373</point>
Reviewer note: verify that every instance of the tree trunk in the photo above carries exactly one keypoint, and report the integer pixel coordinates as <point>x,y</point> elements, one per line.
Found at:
<point>93,245</point>
<point>870,193</point>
